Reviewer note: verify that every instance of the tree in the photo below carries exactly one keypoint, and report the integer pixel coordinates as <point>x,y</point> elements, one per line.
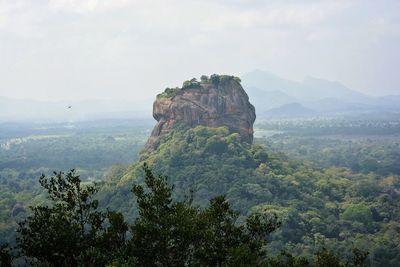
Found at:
<point>5,255</point>
<point>215,79</point>
<point>163,233</point>
<point>193,83</point>
<point>220,235</point>
<point>170,233</point>
<point>325,258</point>
<point>358,212</point>
<point>204,79</point>
<point>71,230</point>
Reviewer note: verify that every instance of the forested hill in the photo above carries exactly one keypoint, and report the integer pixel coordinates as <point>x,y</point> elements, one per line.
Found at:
<point>333,207</point>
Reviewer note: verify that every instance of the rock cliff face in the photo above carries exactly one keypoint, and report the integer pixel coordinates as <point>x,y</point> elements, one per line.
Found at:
<point>219,101</point>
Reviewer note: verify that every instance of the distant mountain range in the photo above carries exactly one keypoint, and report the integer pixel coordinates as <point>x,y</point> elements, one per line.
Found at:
<point>270,94</point>
<point>275,96</point>
<point>291,110</point>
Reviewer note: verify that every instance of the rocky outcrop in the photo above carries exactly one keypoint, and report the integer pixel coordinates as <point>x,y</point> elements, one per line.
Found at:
<point>215,102</point>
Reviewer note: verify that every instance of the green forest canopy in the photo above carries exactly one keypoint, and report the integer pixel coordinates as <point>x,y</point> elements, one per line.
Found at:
<point>331,207</point>
<point>73,232</point>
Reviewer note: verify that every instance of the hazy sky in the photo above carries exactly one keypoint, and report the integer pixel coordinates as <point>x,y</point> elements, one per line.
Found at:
<point>121,49</point>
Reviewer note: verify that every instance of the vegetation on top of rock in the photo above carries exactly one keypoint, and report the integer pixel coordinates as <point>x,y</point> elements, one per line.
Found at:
<point>214,79</point>
<point>169,92</point>
<point>193,83</point>
<point>217,79</point>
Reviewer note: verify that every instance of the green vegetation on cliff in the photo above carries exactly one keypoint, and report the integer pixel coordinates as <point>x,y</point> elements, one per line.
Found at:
<point>331,207</point>
<point>169,92</point>
<point>214,79</point>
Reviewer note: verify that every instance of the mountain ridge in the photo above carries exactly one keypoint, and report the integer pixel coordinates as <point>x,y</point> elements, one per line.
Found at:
<point>323,96</point>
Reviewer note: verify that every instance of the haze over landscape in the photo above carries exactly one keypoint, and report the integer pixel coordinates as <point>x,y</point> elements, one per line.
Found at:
<point>200,133</point>
<point>83,49</point>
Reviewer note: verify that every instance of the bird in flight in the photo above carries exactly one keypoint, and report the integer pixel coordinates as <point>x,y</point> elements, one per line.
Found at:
<point>69,106</point>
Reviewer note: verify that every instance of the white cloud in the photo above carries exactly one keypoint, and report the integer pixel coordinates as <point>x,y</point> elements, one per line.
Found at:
<point>275,14</point>
<point>84,6</point>
<point>21,18</point>
<point>84,47</point>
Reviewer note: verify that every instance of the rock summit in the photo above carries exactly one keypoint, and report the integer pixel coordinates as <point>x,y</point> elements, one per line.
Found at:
<point>213,101</point>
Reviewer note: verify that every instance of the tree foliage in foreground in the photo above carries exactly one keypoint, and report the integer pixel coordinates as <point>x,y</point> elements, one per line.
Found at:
<point>73,232</point>
<point>333,208</point>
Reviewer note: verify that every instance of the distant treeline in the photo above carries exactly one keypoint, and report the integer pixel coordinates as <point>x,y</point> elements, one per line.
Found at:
<point>333,126</point>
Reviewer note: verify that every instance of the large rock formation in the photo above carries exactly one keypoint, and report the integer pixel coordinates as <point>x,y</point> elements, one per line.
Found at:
<point>215,102</point>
